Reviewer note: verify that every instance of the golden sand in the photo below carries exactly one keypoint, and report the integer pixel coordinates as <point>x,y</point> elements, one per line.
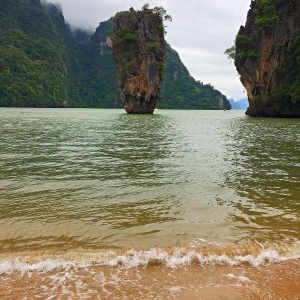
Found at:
<point>277,281</point>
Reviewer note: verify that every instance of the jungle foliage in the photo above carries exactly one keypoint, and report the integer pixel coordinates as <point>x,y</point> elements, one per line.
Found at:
<point>43,63</point>
<point>181,91</point>
<point>289,74</point>
<point>267,15</point>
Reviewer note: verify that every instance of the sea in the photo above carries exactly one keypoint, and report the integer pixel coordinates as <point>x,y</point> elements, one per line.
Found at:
<point>98,204</point>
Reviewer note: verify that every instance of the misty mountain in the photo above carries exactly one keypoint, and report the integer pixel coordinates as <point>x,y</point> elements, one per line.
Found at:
<point>43,63</point>
<point>241,104</point>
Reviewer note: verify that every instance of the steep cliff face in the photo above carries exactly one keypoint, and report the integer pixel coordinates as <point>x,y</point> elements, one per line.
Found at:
<point>45,64</point>
<point>139,52</point>
<point>33,68</point>
<point>267,58</point>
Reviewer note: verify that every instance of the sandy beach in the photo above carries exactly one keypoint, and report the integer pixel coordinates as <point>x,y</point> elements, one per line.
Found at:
<point>276,281</point>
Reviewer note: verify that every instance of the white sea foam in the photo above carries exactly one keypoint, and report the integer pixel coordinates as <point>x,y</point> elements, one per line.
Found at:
<point>244,279</point>
<point>265,257</point>
<point>176,289</point>
<point>10,266</point>
<point>239,278</point>
<point>180,258</point>
<point>134,259</point>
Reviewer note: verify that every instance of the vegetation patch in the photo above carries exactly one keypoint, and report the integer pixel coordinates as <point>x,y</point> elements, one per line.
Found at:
<point>152,48</point>
<point>247,54</point>
<point>267,14</point>
<point>247,51</point>
<point>243,40</point>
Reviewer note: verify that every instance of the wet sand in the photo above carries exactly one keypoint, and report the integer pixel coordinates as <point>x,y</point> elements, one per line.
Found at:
<point>277,281</point>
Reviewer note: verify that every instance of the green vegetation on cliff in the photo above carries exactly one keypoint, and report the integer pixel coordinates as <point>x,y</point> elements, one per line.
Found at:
<point>267,15</point>
<point>32,67</point>
<point>292,67</point>
<point>181,91</point>
<point>289,74</point>
<point>44,64</point>
<point>139,52</point>
<point>98,85</point>
<point>266,55</point>
<point>26,78</point>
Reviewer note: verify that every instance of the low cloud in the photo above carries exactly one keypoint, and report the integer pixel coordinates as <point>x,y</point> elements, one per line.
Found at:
<point>57,4</point>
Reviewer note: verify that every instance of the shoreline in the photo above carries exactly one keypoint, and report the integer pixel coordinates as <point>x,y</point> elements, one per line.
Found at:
<point>206,253</point>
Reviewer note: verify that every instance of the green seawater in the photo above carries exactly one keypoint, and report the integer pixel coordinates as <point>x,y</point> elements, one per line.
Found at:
<point>83,179</point>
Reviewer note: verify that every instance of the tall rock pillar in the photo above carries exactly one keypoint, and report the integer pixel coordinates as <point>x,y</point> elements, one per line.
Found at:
<point>139,53</point>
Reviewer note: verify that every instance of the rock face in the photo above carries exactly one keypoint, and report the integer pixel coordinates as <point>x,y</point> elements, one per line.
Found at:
<point>140,54</point>
<point>267,58</point>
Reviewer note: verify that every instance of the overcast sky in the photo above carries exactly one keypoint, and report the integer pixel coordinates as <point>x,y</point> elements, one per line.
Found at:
<point>200,32</point>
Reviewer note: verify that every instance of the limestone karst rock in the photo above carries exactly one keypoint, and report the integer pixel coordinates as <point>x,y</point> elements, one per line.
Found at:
<point>140,54</point>
<point>267,58</point>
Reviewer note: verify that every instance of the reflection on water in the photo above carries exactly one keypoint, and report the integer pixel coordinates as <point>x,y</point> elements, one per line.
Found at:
<point>91,179</point>
<point>265,172</point>
<point>134,148</point>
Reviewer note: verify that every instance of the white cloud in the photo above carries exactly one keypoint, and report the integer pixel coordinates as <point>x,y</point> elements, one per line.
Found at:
<point>200,32</point>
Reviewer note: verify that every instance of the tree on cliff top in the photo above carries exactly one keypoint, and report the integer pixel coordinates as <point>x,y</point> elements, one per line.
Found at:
<point>159,12</point>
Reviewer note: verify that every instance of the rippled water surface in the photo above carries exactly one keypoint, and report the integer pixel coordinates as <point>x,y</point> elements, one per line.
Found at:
<point>76,179</point>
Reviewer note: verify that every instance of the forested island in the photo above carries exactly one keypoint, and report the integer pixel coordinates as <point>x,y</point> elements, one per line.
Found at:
<point>46,63</point>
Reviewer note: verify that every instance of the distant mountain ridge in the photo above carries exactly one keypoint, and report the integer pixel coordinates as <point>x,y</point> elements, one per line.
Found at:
<point>43,63</point>
<point>241,104</point>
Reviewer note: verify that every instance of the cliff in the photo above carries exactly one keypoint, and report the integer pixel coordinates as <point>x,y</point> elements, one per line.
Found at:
<point>139,52</point>
<point>43,63</point>
<point>267,58</point>
<point>36,67</point>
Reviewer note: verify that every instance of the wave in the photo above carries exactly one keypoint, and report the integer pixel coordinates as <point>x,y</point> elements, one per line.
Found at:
<point>182,259</point>
<point>254,254</point>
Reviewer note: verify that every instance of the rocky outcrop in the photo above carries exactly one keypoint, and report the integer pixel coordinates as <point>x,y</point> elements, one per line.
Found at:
<point>139,52</point>
<point>267,48</point>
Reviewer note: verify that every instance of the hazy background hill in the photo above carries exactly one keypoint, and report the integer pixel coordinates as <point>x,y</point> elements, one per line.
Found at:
<point>241,104</point>
<point>43,63</point>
